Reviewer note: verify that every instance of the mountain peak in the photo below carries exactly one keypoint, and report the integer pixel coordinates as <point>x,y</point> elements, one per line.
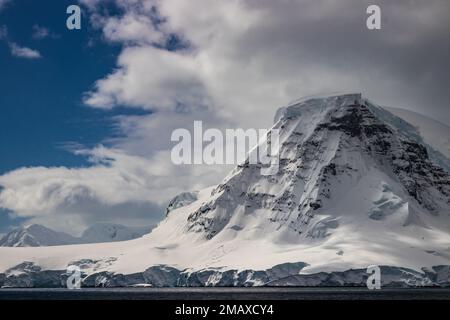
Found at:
<point>36,235</point>
<point>330,145</point>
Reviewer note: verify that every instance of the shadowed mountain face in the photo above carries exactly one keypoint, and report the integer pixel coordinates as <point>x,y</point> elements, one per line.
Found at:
<point>36,235</point>
<point>109,232</point>
<point>434,132</point>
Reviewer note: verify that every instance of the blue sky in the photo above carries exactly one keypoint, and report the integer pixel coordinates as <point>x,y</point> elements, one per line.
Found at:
<point>42,112</point>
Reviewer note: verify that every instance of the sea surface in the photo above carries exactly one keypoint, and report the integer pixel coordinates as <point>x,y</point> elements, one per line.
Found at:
<point>258,293</point>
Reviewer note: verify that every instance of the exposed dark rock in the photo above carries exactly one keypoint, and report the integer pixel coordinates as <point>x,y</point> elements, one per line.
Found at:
<point>316,205</point>
<point>28,275</point>
<point>286,274</point>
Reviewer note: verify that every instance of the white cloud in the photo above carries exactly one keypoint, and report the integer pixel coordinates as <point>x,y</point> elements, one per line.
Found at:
<point>23,52</point>
<point>132,28</point>
<point>120,187</point>
<point>15,49</point>
<point>3,3</point>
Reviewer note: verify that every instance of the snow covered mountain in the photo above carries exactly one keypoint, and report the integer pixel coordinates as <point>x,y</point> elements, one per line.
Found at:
<point>356,186</point>
<point>37,235</point>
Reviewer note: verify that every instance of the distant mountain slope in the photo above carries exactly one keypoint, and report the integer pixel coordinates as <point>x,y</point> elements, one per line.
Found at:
<point>37,235</point>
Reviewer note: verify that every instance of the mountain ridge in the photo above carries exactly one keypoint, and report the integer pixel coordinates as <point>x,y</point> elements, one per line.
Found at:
<point>36,235</point>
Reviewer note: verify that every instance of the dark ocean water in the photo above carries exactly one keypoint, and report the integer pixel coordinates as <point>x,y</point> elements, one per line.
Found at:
<point>225,294</point>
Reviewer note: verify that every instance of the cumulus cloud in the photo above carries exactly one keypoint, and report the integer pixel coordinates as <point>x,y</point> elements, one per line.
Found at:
<point>246,56</point>
<point>132,29</point>
<point>15,49</point>
<point>150,78</point>
<point>117,187</point>
<point>23,52</point>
